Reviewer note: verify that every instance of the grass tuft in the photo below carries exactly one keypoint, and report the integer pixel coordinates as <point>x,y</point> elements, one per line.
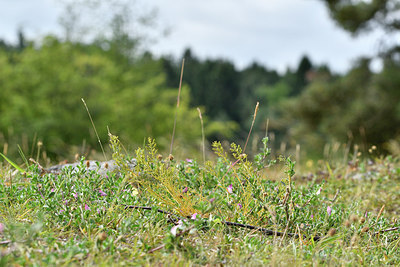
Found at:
<point>227,211</point>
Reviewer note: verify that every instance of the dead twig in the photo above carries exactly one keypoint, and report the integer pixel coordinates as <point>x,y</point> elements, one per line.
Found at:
<point>247,226</point>
<point>387,230</point>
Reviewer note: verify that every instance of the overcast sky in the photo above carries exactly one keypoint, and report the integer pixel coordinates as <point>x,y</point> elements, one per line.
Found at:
<point>275,33</point>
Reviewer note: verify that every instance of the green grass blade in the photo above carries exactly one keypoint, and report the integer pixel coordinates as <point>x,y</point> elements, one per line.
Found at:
<point>22,155</point>
<point>12,163</point>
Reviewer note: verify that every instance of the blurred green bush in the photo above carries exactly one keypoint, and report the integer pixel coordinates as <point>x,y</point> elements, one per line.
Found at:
<point>42,87</point>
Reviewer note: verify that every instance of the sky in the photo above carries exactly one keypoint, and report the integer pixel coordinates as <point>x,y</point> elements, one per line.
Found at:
<point>274,33</point>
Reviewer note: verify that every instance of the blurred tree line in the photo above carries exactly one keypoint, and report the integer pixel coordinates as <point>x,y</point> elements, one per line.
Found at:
<point>229,95</point>
<point>134,94</point>
<point>42,87</point>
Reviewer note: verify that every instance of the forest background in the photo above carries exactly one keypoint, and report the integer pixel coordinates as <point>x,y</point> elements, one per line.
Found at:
<point>134,93</point>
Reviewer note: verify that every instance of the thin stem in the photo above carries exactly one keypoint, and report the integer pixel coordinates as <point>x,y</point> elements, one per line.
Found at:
<point>94,128</point>
<point>177,107</point>
<point>251,128</point>
<point>202,136</point>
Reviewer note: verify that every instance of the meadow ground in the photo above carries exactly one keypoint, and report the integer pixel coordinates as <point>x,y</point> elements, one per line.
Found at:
<point>231,210</point>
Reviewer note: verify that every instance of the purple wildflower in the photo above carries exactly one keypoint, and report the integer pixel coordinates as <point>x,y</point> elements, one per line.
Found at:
<point>87,207</point>
<point>52,190</point>
<point>329,210</point>
<point>185,190</point>
<point>99,210</point>
<point>240,206</point>
<point>75,195</point>
<point>102,193</point>
<point>189,160</point>
<point>1,228</point>
<point>194,216</point>
<point>212,200</point>
<point>229,189</point>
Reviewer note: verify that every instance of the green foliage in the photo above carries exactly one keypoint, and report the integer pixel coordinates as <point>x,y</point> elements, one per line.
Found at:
<point>80,217</point>
<point>12,163</point>
<point>42,87</point>
<point>261,157</point>
<point>360,107</point>
<point>359,16</point>
<point>131,93</point>
<point>227,191</point>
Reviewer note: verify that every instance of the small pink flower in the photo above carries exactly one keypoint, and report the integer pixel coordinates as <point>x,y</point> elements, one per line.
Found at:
<point>212,200</point>
<point>99,210</point>
<point>240,206</point>
<point>175,228</point>
<point>52,190</point>
<point>102,193</point>
<point>319,191</point>
<point>189,160</point>
<point>329,210</point>
<point>75,195</point>
<point>87,207</point>
<point>1,228</point>
<point>185,190</point>
<point>229,189</point>
<point>312,216</point>
<point>194,216</point>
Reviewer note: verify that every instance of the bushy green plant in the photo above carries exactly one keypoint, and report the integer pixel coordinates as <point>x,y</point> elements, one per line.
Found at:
<point>170,211</point>
<point>232,189</point>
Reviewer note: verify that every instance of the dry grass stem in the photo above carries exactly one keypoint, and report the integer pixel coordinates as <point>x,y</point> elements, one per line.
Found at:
<point>251,128</point>
<point>94,128</point>
<point>177,107</point>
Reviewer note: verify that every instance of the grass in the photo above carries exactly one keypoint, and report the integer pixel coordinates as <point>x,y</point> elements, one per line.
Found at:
<point>232,210</point>
<point>334,215</point>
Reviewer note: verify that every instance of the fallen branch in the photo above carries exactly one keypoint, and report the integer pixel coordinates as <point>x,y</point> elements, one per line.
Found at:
<point>247,226</point>
<point>387,230</point>
<point>158,210</point>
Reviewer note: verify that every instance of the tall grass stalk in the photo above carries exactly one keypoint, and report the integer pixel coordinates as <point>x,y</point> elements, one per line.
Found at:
<point>21,153</point>
<point>177,107</point>
<point>202,136</point>
<point>94,128</point>
<point>251,128</point>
